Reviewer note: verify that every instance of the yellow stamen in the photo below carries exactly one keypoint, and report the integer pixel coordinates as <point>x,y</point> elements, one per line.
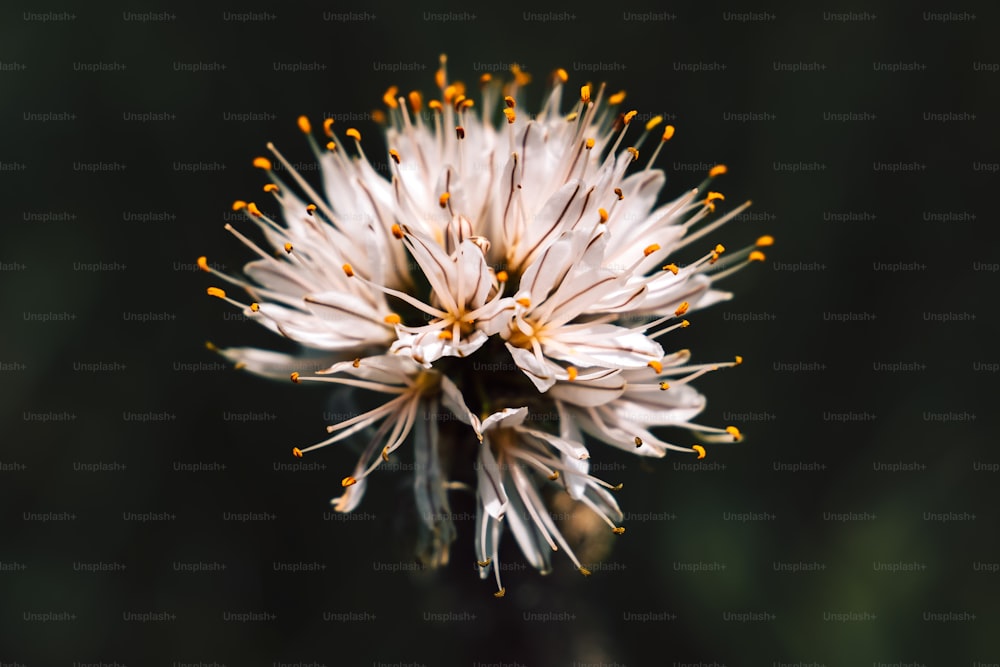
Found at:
<point>656,366</point>
<point>521,78</point>
<point>443,199</point>
<point>397,231</point>
<point>416,101</point>
<point>617,98</point>
<point>526,302</point>
<point>385,453</point>
<point>717,170</point>
<point>353,134</point>
<point>357,362</point>
<point>484,563</point>
<point>294,378</point>
<point>348,481</point>
<point>681,309</point>
<point>634,151</point>
<point>349,270</point>
<point>509,101</point>
<point>210,346</point>
<point>620,194</point>
<point>502,277</point>
<point>215,291</point>
<point>439,78</point>
<point>288,248</point>
<point>685,324</point>
<point>254,307</point>
<point>304,125</point>
<point>719,249</point>
<point>756,256</point>
<point>604,215</point>
<point>378,116</point>
<point>460,132</point>
<point>653,122</point>
<point>328,127</point>
<point>627,118</point>
<point>262,163</point>
<point>562,75</point>
<point>390,97</point>
<point>296,452</point>
<point>434,105</point>
<point>739,360</point>
<point>394,154</point>
<point>638,442</point>
<point>310,208</point>
<point>672,268</point>
<point>270,187</point>
<point>589,143</point>
<point>700,450</point>
<point>500,593</point>
<point>617,487</point>
<point>203,264</point>
<point>445,334</point>
<point>711,196</point>
<point>392,318</point>
<point>572,373</point>
<point>650,249</point>
<point>510,115</point>
<point>253,210</point>
<point>554,476</point>
<point>664,386</point>
<point>735,432</point>
<point>571,117</point>
<point>668,133</point>
<point>485,79</point>
<point>620,530</point>
<point>585,572</point>
<point>765,241</point>
<point>585,93</point>
<point>331,146</point>
<point>239,205</point>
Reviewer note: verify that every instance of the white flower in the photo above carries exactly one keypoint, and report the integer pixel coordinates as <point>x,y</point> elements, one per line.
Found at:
<point>503,271</point>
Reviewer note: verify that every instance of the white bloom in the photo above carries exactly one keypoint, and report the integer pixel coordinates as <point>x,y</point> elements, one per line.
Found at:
<point>509,270</point>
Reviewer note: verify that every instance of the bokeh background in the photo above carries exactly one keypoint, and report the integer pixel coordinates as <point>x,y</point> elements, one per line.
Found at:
<point>857,523</point>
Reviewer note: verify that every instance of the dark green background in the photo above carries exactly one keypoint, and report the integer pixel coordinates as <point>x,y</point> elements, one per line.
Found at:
<point>596,623</point>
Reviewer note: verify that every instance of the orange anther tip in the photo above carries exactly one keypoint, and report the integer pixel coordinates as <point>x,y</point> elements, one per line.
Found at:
<point>739,360</point>
<point>681,309</point>
<point>627,118</point>
<point>270,187</point>
<point>634,151</point>
<point>397,231</point>
<point>348,481</point>
<point>288,248</point>
<point>390,97</point>
<point>712,196</point>
<point>484,563</point>
<point>735,432</point>
<point>573,373</point>
<point>664,386</point>
<point>239,205</point>
<point>562,75</point>
<point>653,122</point>
<point>310,208</point>
<point>685,324</point>
<point>554,476</point>
<point>603,215</point>
<point>445,334</point>
<point>296,452</point>
<point>304,125</point>
<point>617,98</point>
<point>621,195</point>
<point>392,318</point>
<point>331,146</point>
<point>349,270</point>
<point>254,307</point>
<point>328,127</point>
<point>756,256</point>
<point>443,199</point>
<point>500,593</point>
<point>700,450</point>
<point>524,302</point>
<point>620,530</point>
<point>262,163</point>
<point>502,276</point>
<point>294,378</point>
<point>589,143</point>
<point>765,241</point>
<point>353,134</point>
<point>585,94</point>
<point>585,572</point>
<point>650,249</point>
<point>203,263</point>
<point>509,101</point>
<point>717,170</point>
<point>215,291</point>
<point>253,210</point>
<point>394,154</point>
<point>510,114</point>
<point>672,268</point>
<point>656,366</point>
<point>668,133</point>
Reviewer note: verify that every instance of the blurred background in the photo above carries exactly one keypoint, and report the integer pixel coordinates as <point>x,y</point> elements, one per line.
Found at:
<point>148,516</point>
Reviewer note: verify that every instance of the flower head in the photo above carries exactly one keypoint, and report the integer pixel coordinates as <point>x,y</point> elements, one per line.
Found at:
<point>513,275</point>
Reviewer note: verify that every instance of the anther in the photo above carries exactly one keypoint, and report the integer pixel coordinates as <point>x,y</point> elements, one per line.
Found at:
<point>700,450</point>
<point>572,372</point>
<point>664,386</point>
<point>502,277</point>
<point>443,199</point>
<point>627,118</point>
<point>653,122</point>
<point>215,291</point>
<point>357,362</point>
<point>650,249</point>
<point>288,248</point>
<point>681,309</point>
<point>392,318</point>
<point>304,125</point>
<point>253,210</point>
<point>500,593</point>
<point>589,143</point>
<point>585,572</point>
<point>685,324</point>
<point>756,256</point>
<point>254,307</point>
<point>294,377</point>
<point>310,208</point>
<point>510,115</point>
<point>394,154</point>
<point>262,163</point>
<point>619,530</point>
<point>331,146</point>
<point>445,334</point>
<point>711,196</point>
<point>296,452</point>
<point>203,264</point>
<point>620,194</point>
<point>554,476</point>
<point>390,97</point>
<point>585,94</point>
<point>484,563</point>
<point>353,134</point>
<point>416,101</point>
<point>460,132</point>
<point>270,187</point>
<point>561,75</point>
<point>738,360</point>
<point>638,442</point>
<point>349,270</point>
<point>524,302</point>
<point>348,481</point>
<point>717,170</point>
<point>604,215</point>
<point>617,98</point>
<point>397,231</point>
<point>327,127</point>
<point>485,79</point>
<point>735,432</point>
<point>634,151</point>
<point>765,241</point>
<point>672,268</point>
<point>668,133</point>
<point>509,101</point>
<point>239,205</point>
<point>385,453</point>
<point>656,366</point>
